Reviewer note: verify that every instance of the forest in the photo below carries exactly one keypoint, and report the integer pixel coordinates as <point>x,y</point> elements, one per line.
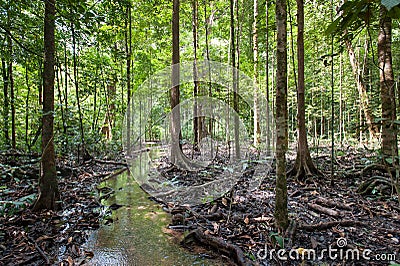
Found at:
<point>199,132</point>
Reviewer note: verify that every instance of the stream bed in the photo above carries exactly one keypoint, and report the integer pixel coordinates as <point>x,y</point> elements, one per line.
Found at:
<point>136,236</point>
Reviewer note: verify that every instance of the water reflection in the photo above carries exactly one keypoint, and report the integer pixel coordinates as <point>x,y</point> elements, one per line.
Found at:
<point>136,236</point>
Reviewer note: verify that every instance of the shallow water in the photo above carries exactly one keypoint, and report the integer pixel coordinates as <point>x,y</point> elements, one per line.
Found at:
<point>136,236</point>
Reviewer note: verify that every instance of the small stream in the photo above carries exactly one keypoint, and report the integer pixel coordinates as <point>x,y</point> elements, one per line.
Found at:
<point>136,235</point>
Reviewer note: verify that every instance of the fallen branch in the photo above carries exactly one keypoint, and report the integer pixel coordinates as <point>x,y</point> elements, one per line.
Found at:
<point>118,172</point>
<point>110,162</point>
<point>322,209</point>
<point>328,225</point>
<point>219,244</point>
<point>332,203</point>
<point>41,252</point>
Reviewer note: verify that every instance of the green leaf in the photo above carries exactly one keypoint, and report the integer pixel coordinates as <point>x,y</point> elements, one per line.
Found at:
<point>279,239</point>
<point>333,27</point>
<point>389,4</point>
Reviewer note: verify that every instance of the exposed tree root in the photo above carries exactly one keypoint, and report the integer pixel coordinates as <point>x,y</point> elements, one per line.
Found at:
<point>219,244</point>
<point>328,225</point>
<point>372,183</point>
<point>378,167</point>
<point>303,168</point>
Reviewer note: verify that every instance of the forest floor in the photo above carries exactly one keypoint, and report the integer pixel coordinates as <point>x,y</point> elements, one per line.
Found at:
<point>355,217</point>
<point>332,214</point>
<point>49,237</point>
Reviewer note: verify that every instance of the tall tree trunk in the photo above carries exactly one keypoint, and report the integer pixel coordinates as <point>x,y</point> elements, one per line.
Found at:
<point>362,90</point>
<point>76,82</point>
<point>208,21</point>
<point>128,52</point>
<point>387,86</point>
<point>304,165</point>
<point>48,186</point>
<point>27,105</point>
<point>85,153</point>
<point>196,119</point>
<point>281,210</point>
<point>233,3</point>
<point>268,135</point>
<point>5,102</point>
<point>66,96</point>
<point>256,107</point>
<point>12,95</point>
<point>175,94</point>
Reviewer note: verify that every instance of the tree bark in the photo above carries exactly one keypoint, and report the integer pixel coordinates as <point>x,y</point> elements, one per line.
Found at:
<point>387,86</point>
<point>268,135</point>
<point>48,186</point>
<point>256,107</point>
<point>5,103</point>
<point>304,165</point>
<point>233,3</point>
<point>281,211</point>
<point>175,94</point>
<point>128,52</point>
<point>362,91</point>
<point>196,119</point>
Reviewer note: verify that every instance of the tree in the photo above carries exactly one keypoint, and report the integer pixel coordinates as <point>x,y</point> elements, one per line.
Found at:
<point>257,129</point>
<point>128,53</point>
<point>387,86</point>
<point>304,165</point>
<point>281,211</point>
<point>232,5</point>
<point>48,186</point>
<point>174,96</point>
<point>362,89</point>
<point>196,120</point>
<point>268,140</point>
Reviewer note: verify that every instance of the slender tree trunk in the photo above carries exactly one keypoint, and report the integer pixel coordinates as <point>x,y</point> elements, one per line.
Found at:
<point>60,100</point>
<point>281,210</point>
<point>196,119</point>
<point>27,105</point>
<point>362,91</point>
<point>234,3</point>
<point>76,81</point>
<point>256,107</point>
<point>208,22</point>
<point>387,87</point>
<point>48,186</point>
<point>5,102</point>
<point>175,94</point>
<point>12,95</point>
<point>304,165</point>
<point>66,97</point>
<point>86,156</point>
<point>268,135</point>
<point>128,52</point>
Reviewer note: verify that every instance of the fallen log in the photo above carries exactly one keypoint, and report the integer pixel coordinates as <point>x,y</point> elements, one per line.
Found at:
<point>328,225</point>
<point>332,203</point>
<point>324,210</point>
